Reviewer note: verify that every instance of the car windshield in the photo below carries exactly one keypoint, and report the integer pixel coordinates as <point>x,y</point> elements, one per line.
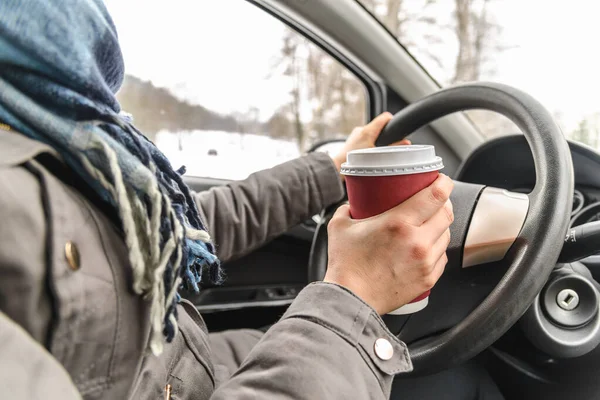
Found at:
<point>226,104</point>
<point>546,48</point>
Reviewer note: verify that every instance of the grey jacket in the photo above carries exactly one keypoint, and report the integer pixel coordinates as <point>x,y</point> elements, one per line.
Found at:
<point>70,327</point>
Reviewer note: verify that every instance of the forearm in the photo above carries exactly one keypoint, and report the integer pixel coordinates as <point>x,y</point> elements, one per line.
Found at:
<point>325,346</point>
<point>244,215</point>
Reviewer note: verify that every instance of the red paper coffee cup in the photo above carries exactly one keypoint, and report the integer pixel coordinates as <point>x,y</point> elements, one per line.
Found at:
<point>381,178</point>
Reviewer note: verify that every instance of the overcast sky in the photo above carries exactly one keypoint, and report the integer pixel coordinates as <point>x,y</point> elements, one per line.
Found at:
<point>218,53</point>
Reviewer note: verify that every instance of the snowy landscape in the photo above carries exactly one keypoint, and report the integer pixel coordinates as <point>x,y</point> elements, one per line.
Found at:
<point>224,155</point>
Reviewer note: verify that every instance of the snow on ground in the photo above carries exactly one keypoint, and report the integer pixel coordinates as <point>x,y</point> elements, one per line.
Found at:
<point>237,155</point>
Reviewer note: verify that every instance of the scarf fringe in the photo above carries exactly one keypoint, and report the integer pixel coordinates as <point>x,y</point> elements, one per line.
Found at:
<point>142,236</point>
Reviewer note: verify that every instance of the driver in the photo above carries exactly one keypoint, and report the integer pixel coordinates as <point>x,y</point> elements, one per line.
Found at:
<point>99,235</point>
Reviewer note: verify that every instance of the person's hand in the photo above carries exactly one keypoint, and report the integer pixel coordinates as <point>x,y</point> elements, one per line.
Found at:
<point>390,259</point>
<point>364,137</point>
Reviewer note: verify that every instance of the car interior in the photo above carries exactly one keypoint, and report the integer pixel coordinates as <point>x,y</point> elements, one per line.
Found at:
<point>530,320</point>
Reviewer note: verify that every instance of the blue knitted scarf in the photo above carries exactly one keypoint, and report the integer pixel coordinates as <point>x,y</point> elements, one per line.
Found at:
<point>60,66</point>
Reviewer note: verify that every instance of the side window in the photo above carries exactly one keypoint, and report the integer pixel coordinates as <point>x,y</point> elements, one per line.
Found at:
<point>226,89</point>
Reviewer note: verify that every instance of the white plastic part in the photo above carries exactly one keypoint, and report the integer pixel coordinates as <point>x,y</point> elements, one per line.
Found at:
<point>411,308</point>
<point>392,160</point>
<point>496,223</point>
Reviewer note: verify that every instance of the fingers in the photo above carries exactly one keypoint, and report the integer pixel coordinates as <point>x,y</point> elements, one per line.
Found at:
<point>425,204</point>
<point>440,246</point>
<point>373,128</point>
<point>437,225</point>
<point>437,271</point>
<point>403,142</point>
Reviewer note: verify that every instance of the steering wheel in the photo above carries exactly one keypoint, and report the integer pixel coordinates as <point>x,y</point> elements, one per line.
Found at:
<point>485,300</point>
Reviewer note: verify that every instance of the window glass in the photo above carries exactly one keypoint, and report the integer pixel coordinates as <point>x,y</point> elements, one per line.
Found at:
<point>546,48</point>
<point>226,89</point>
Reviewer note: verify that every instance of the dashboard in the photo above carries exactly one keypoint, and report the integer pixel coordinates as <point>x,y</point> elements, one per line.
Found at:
<point>507,163</point>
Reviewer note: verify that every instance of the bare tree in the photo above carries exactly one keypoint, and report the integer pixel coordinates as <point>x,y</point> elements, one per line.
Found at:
<point>399,21</point>
<point>474,33</point>
<point>280,124</point>
<point>321,80</point>
<point>587,131</point>
<point>294,67</point>
<point>478,37</point>
<point>324,92</point>
<point>392,19</point>
<point>349,102</point>
<point>248,121</point>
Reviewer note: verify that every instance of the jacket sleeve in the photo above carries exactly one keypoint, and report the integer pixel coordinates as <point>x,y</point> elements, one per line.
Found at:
<point>324,347</point>
<point>41,377</point>
<point>244,215</point>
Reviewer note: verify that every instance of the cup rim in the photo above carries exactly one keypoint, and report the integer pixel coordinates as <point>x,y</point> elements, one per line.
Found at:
<point>394,149</point>
<point>392,160</point>
<point>393,170</point>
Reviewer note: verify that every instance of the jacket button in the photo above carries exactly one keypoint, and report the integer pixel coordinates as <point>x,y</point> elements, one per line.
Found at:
<point>72,255</point>
<point>384,349</point>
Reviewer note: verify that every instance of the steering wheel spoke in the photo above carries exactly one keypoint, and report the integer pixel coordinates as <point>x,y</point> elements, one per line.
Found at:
<point>494,226</point>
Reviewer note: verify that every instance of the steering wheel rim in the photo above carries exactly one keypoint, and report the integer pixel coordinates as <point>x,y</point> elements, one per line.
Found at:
<point>534,253</point>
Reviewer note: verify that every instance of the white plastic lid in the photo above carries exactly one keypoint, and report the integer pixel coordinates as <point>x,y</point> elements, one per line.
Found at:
<point>392,160</point>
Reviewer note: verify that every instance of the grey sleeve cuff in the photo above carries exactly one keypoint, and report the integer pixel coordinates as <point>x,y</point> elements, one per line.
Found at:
<point>344,313</point>
<point>327,178</point>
